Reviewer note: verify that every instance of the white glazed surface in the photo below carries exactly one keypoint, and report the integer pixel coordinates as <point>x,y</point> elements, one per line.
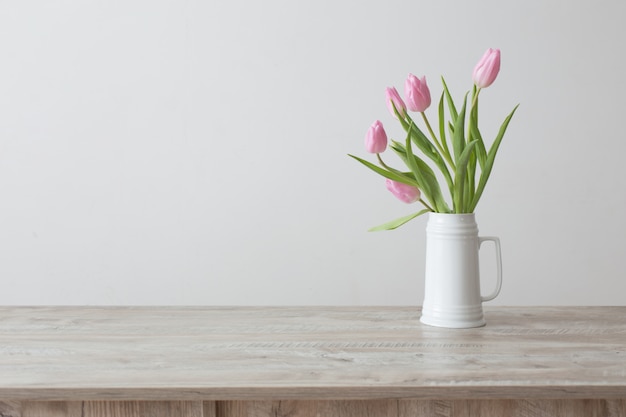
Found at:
<point>452,279</point>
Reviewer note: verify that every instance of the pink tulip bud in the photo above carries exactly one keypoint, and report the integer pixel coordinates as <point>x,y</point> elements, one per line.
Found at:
<point>393,97</point>
<point>416,93</point>
<point>404,192</point>
<point>376,138</point>
<point>487,68</point>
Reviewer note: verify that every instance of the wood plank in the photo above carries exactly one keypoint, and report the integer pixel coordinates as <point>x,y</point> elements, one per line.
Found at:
<point>142,409</point>
<point>10,408</point>
<point>335,408</point>
<point>425,408</point>
<point>512,408</point>
<point>51,409</point>
<point>376,408</point>
<point>107,409</point>
<point>308,353</point>
<point>209,408</point>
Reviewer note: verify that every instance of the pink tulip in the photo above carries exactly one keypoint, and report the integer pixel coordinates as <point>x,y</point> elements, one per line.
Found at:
<point>404,192</point>
<point>487,68</point>
<point>376,138</point>
<point>393,97</point>
<point>416,93</point>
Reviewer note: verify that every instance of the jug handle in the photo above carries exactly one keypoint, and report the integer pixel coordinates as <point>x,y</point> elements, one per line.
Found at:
<point>496,241</point>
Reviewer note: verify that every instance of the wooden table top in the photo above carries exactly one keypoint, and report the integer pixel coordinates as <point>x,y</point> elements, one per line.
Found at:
<point>244,353</point>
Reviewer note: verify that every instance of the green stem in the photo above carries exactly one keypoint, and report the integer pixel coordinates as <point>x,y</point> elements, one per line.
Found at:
<point>470,124</point>
<point>426,205</point>
<point>382,163</point>
<point>471,167</point>
<point>445,154</point>
<point>475,98</point>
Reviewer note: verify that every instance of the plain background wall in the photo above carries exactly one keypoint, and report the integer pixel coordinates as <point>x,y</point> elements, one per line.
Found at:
<point>194,152</point>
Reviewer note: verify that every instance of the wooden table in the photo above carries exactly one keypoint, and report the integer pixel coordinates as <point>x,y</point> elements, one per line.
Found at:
<point>308,362</point>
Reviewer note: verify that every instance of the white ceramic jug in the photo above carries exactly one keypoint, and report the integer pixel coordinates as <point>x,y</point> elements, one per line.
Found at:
<point>452,287</point>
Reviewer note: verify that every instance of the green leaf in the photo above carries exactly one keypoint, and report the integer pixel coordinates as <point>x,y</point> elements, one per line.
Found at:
<point>474,132</point>
<point>426,146</point>
<point>451,106</point>
<point>409,160</point>
<point>392,175</point>
<point>422,184</point>
<point>491,156</point>
<point>458,138</point>
<point>470,178</point>
<point>481,152</point>
<point>442,126</point>
<point>419,138</point>
<point>425,175</point>
<point>423,143</point>
<point>394,224</point>
<point>460,178</point>
<point>400,150</point>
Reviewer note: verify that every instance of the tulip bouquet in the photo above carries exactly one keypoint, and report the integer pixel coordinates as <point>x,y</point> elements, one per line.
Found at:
<point>458,151</point>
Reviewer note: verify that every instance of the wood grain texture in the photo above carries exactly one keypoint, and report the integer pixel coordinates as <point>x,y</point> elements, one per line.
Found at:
<point>142,409</point>
<point>209,409</point>
<point>355,408</point>
<point>107,409</point>
<point>512,408</point>
<point>10,408</point>
<point>335,408</point>
<point>308,353</point>
<point>425,408</point>
<point>52,409</point>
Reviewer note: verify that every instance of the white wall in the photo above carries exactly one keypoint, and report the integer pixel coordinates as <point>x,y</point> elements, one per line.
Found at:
<point>194,152</point>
